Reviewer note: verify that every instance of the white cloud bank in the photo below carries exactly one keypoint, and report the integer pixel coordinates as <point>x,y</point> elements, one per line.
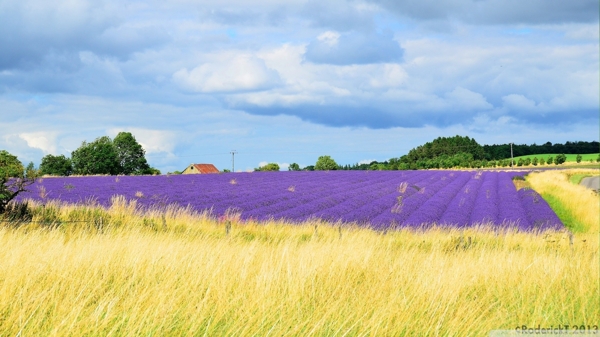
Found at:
<point>230,74</point>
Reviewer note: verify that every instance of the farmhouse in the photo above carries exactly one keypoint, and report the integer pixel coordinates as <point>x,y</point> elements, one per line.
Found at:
<point>200,169</point>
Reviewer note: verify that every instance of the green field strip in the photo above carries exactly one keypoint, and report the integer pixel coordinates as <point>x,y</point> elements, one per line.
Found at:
<point>570,157</point>
<point>564,214</point>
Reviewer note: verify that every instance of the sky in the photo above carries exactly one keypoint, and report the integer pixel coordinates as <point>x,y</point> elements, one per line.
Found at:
<point>289,81</point>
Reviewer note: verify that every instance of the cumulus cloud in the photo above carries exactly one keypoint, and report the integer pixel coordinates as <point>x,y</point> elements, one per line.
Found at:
<point>353,48</point>
<point>43,140</point>
<point>153,141</point>
<point>236,73</point>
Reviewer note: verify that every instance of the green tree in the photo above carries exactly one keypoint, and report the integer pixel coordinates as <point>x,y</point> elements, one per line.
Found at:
<point>268,167</point>
<point>520,162</point>
<point>560,158</point>
<point>325,163</point>
<point>598,159</point>
<point>527,161</point>
<point>550,160</point>
<point>578,159</point>
<point>14,179</point>
<point>130,155</point>
<point>534,161</point>
<point>56,165</point>
<point>294,167</point>
<point>542,161</point>
<point>97,157</point>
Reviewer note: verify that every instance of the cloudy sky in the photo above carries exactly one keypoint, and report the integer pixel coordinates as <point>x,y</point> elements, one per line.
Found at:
<point>288,81</point>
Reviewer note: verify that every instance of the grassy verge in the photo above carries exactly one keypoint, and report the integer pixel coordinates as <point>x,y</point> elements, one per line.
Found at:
<point>577,207</point>
<point>179,273</point>
<point>577,178</point>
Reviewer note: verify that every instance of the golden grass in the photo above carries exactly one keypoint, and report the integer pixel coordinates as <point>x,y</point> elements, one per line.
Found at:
<point>579,202</point>
<point>180,274</point>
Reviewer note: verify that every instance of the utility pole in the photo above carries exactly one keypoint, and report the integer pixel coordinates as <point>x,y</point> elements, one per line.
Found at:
<point>233,152</point>
<point>512,162</point>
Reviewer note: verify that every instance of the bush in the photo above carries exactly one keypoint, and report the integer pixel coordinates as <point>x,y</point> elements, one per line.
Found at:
<point>325,163</point>
<point>16,212</point>
<point>56,165</point>
<point>268,167</point>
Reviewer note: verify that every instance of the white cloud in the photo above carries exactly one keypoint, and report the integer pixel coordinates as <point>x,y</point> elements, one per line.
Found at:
<point>43,140</point>
<point>233,73</point>
<point>329,38</point>
<point>153,141</point>
<point>520,102</point>
<point>464,99</point>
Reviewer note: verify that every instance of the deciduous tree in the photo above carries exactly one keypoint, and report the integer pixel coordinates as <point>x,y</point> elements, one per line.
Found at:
<point>14,179</point>
<point>325,163</point>
<point>56,165</point>
<point>130,154</point>
<point>97,157</point>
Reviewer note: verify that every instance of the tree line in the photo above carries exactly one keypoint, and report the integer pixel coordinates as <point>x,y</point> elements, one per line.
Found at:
<point>121,155</point>
<point>465,152</point>
<point>502,151</point>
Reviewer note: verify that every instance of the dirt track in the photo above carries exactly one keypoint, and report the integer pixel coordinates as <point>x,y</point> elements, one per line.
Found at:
<point>591,182</point>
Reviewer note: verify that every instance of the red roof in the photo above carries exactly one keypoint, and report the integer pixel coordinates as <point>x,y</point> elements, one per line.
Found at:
<point>205,168</point>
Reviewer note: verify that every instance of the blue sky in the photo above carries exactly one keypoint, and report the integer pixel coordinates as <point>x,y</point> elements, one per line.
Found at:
<point>288,81</point>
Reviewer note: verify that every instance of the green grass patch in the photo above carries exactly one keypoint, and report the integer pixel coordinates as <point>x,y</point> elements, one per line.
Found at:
<point>564,214</point>
<point>585,158</point>
<point>577,178</point>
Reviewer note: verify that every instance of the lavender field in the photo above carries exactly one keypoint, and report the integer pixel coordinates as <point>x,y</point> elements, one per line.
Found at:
<point>373,198</point>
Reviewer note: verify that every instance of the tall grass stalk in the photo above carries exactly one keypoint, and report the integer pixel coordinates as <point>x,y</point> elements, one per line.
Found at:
<point>139,276</point>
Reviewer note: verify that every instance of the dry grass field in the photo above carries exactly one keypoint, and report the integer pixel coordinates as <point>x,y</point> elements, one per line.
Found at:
<point>118,272</point>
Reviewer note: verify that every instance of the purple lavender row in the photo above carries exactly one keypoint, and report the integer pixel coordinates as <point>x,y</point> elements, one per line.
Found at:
<point>432,209</point>
<point>280,200</point>
<point>417,193</point>
<point>510,209</point>
<point>458,212</point>
<point>485,210</point>
<point>362,204</point>
<point>538,212</point>
<point>299,211</point>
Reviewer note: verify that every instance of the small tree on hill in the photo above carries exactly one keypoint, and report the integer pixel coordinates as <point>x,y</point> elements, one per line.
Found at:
<point>550,160</point>
<point>325,163</point>
<point>542,161</point>
<point>56,165</point>
<point>579,158</point>
<point>294,167</point>
<point>560,158</point>
<point>534,161</point>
